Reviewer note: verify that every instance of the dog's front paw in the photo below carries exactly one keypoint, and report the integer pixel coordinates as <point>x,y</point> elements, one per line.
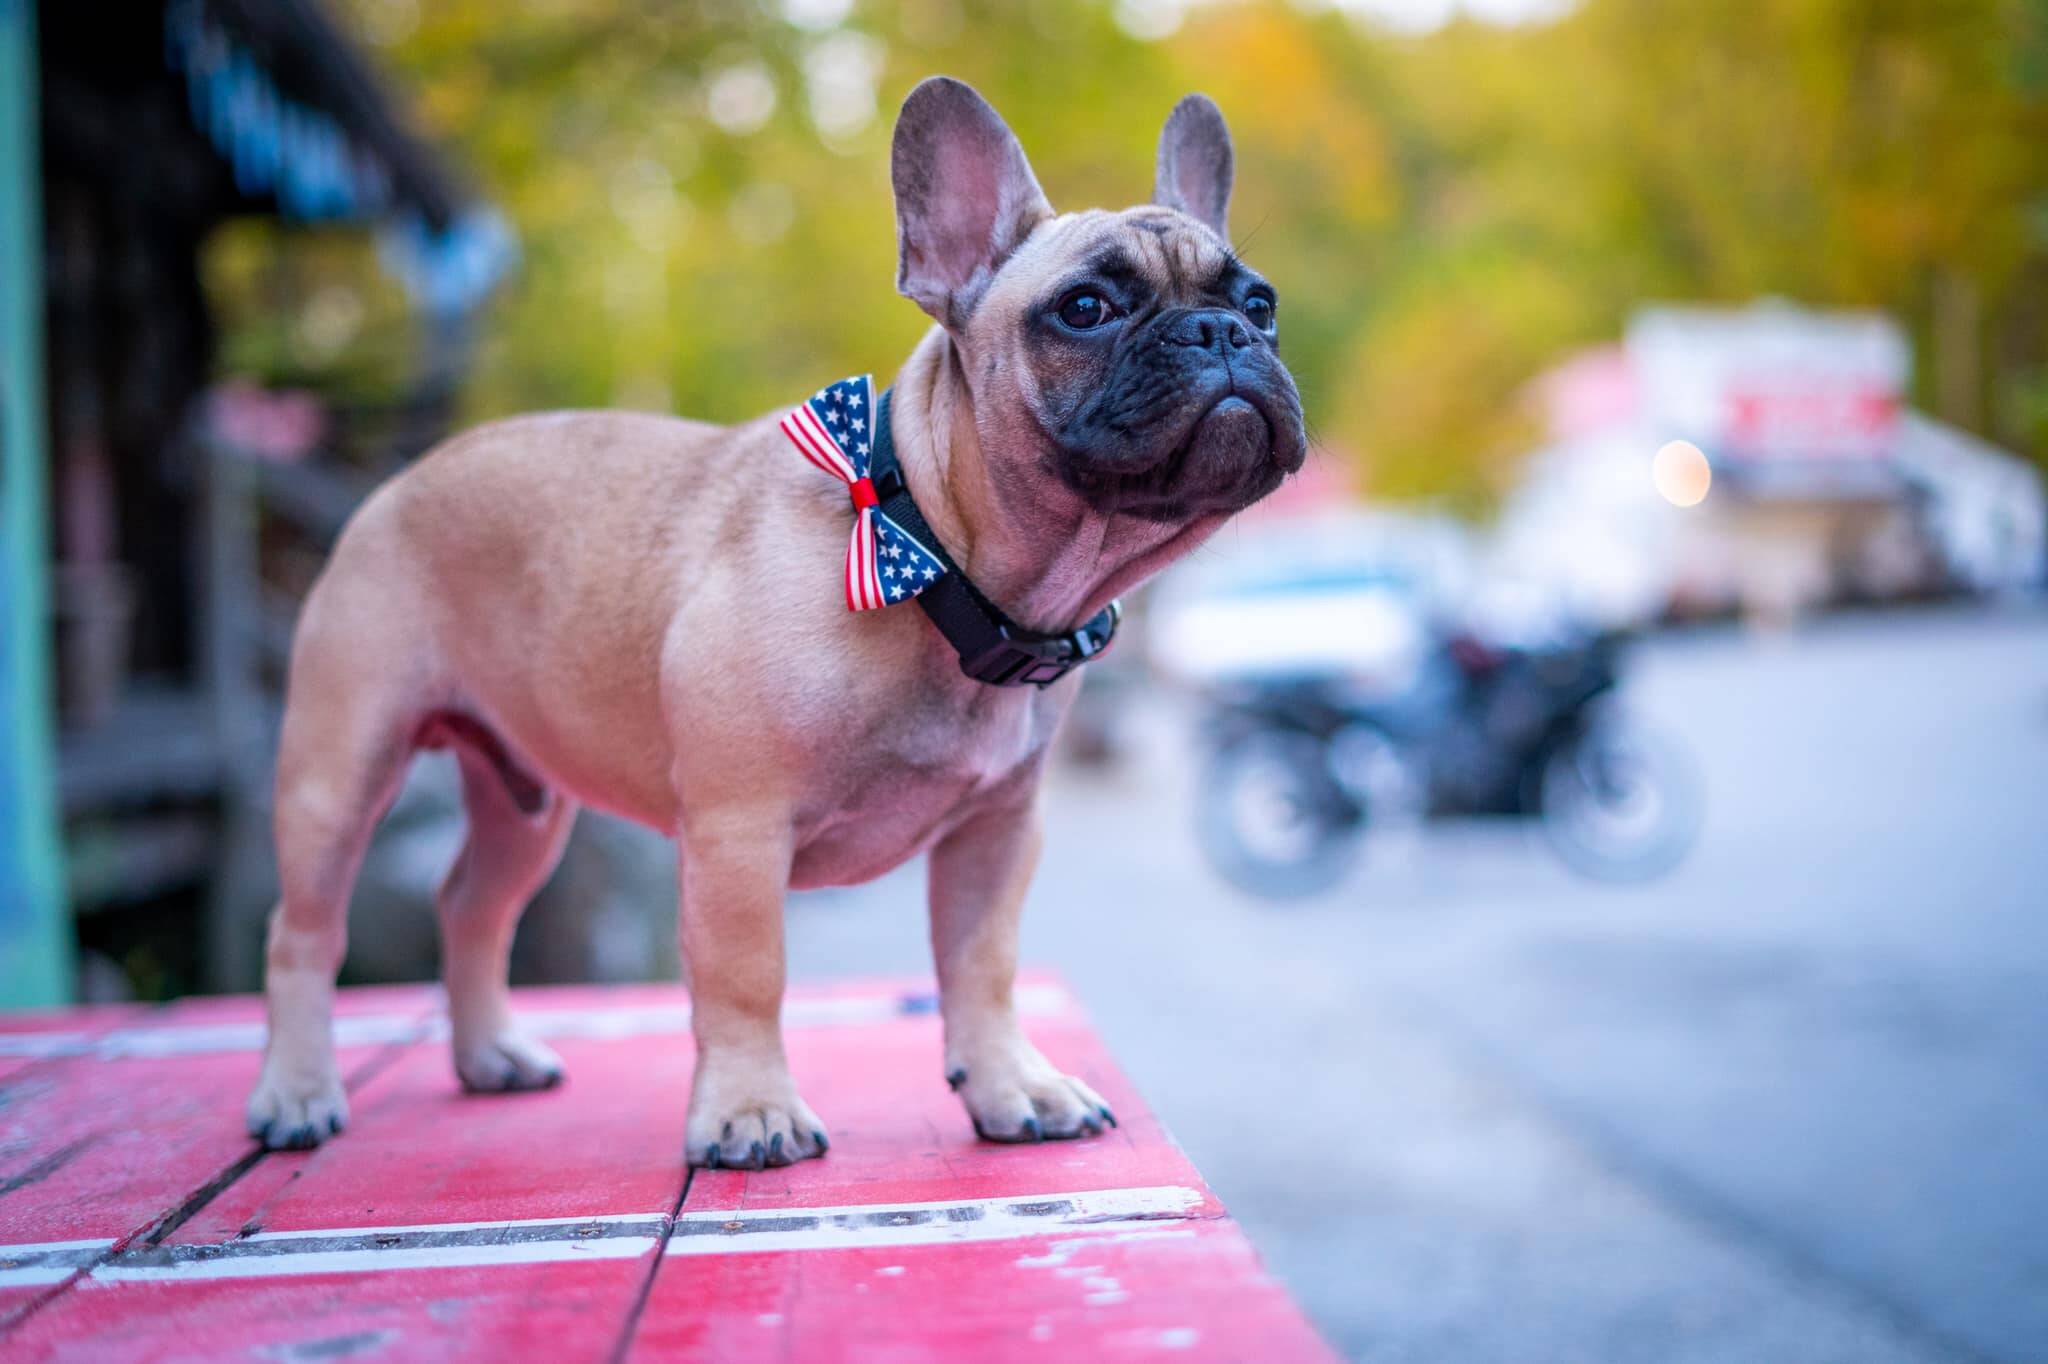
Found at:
<point>505,1062</point>
<point>751,1131</point>
<point>296,1110</point>
<point>1014,1094</point>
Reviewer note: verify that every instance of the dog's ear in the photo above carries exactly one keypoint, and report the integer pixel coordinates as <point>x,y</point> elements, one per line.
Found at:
<point>965,197</point>
<point>1195,163</point>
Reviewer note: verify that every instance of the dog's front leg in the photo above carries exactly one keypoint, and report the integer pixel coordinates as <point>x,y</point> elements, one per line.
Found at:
<point>744,1109</point>
<point>979,874</point>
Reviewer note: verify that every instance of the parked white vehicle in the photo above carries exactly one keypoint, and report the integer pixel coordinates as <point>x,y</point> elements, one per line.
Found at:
<point>1345,592</point>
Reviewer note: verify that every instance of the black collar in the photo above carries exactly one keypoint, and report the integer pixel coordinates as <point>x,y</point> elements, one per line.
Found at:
<point>992,647</point>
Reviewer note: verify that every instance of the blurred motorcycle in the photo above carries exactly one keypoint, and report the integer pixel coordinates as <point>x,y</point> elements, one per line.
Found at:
<point>1297,767</point>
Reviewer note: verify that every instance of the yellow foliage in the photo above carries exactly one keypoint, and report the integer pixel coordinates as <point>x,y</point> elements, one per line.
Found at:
<point>1445,215</point>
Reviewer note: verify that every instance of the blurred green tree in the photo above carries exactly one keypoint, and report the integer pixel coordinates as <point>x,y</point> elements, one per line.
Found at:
<point>702,191</point>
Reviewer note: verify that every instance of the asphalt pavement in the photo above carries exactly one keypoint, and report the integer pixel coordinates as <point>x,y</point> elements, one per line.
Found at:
<point>1789,1103</point>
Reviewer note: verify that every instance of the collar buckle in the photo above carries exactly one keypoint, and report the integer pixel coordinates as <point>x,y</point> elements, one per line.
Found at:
<point>1018,659</point>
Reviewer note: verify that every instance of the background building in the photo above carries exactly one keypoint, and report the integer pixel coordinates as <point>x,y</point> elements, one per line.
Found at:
<point>1765,460</point>
<point>149,510</point>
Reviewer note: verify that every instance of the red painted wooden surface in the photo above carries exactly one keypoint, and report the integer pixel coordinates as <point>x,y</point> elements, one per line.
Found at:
<point>138,1222</point>
<point>35,1037</point>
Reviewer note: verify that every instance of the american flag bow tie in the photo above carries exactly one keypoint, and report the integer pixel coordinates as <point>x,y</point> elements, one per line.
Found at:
<point>834,429</point>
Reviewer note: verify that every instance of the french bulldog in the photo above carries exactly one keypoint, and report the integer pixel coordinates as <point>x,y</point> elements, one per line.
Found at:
<point>643,614</point>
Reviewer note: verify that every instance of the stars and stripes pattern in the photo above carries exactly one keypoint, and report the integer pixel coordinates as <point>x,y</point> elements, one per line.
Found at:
<point>834,429</point>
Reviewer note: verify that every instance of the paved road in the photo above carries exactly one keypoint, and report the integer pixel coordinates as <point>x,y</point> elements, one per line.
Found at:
<point>1789,1104</point>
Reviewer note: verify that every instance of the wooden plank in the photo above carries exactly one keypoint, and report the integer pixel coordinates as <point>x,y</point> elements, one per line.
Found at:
<point>600,1158</point>
<point>900,1135</point>
<point>419,1150</point>
<point>559,1311</point>
<point>607,1145</point>
<point>112,1141</point>
<point>36,1049</point>
<point>1192,1291</point>
<point>443,1225</point>
<point>43,1037</point>
<point>1143,1262</point>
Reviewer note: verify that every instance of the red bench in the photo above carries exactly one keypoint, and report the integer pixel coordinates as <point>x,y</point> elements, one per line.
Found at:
<point>138,1222</point>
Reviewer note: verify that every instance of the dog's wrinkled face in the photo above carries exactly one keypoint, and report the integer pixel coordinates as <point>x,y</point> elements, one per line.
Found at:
<point>1148,354</point>
<point>1129,356</point>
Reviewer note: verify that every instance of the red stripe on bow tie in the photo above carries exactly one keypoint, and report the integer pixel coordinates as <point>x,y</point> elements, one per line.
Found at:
<point>860,557</point>
<point>811,441</point>
<point>862,581</point>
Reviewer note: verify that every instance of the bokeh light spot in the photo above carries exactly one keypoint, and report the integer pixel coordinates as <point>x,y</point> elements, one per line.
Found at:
<point>1681,473</point>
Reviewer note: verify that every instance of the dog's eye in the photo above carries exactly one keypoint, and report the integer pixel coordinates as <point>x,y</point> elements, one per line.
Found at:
<point>1258,310</point>
<point>1084,309</point>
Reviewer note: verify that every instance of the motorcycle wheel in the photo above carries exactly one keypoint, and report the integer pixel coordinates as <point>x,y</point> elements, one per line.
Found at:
<point>1619,803</point>
<point>1272,819</point>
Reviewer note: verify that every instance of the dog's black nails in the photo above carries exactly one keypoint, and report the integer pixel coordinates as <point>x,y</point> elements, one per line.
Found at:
<point>301,1138</point>
<point>1108,1116</point>
<point>333,1124</point>
<point>775,1150</point>
<point>823,1144</point>
<point>956,1078</point>
<point>726,1135</point>
<point>711,1158</point>
<point>551,1080</point>
<point>757,1156</point>
<point>981,1132</point>
<point>1032,1130</point>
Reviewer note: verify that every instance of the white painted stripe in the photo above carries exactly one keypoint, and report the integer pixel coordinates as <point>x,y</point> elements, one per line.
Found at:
<point>897,1238</point>
<point>375,1260</point>
<point>71,1257</point>
<point>36,1045</point>
<point>1105,1213</point>
<point>603,1024</point>
<point>610,1219</point>
<point>1150,1199</point>
<point>184,1039</point>
<point>756,1231</point>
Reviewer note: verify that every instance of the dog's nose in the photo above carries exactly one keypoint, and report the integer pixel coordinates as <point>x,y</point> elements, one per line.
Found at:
<point>1209,328</point>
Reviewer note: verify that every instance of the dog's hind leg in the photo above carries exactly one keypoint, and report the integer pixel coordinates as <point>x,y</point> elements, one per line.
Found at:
<point>517,829</point>
<point>347,735</point>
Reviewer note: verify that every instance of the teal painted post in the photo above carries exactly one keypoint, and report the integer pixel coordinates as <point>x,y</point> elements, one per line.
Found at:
<point>35,931</point>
